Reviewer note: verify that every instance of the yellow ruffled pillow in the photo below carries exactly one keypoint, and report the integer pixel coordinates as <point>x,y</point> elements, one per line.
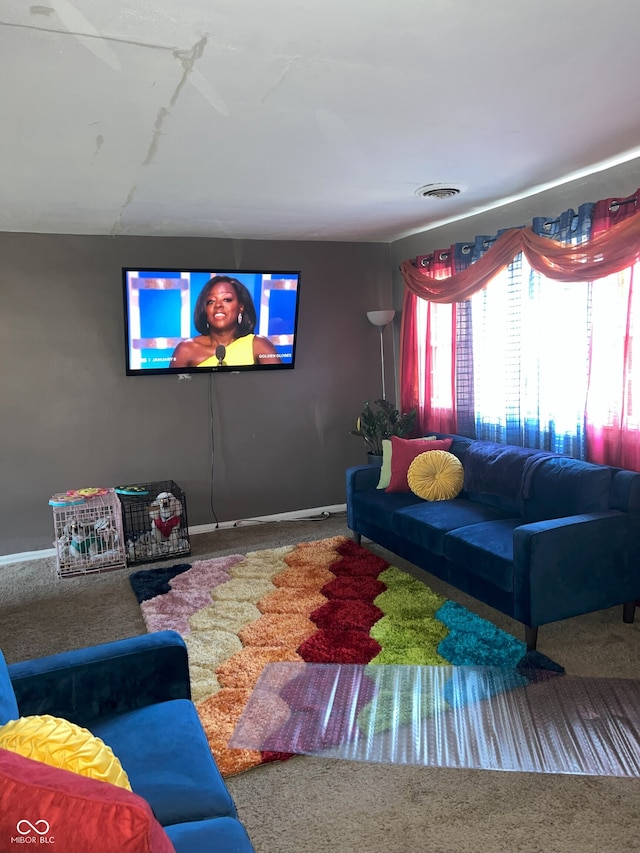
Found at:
<point>62,744</point>
<point>436,475</point>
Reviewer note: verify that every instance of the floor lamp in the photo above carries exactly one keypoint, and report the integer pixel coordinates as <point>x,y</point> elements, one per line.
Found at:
<point>381,319</point>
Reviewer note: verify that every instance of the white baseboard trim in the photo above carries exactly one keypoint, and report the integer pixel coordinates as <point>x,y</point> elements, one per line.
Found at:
<point>318,512</point>
<point>24,556</point>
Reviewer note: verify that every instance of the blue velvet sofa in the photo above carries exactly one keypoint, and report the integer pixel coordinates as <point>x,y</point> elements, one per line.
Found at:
<point>134,694</point>
<point>538,536</point>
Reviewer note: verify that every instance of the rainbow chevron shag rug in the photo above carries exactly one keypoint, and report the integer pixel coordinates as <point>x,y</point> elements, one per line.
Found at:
<point>327,601</point>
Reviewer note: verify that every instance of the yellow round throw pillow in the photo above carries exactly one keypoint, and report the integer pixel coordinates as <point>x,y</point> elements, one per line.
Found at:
<point>62,744</point>
<point>436,475</point>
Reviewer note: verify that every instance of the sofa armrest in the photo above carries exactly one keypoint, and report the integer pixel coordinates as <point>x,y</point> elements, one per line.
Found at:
<point>88,684</point>
<point>569,566</point>
<point>360,479</point>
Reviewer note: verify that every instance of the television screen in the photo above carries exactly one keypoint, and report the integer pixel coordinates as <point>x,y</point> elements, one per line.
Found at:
<point>194,321</point>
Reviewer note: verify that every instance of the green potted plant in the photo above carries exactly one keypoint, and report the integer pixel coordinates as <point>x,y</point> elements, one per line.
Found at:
<point>375,425</point>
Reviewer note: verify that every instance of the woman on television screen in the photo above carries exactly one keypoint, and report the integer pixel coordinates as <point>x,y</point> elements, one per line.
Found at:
<point>225,316</point>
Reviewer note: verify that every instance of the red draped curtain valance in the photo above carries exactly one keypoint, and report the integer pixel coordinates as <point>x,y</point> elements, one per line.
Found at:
<point>608,252</point>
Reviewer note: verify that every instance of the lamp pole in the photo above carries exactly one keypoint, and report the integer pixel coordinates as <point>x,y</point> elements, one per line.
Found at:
<point>384,394</point>
<point>381,319</point>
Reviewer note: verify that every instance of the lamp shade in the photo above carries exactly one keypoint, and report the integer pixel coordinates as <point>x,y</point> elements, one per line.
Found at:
<point>380,318</point>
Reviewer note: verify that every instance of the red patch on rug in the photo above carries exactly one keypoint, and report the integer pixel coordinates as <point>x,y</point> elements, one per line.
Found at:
<point>334,646</point>
<point>356,589</point>
<point>268,756</point>
<point>367,567</point>
<point>349,548</point>
<point>323,715</point>
<point>347,615</point>
<point>320,690</point>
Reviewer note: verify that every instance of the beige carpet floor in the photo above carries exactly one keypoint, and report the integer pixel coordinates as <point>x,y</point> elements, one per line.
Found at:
<point>314,805</point>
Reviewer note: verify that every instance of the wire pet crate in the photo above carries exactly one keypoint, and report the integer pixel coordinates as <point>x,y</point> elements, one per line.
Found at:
<point>88,532</point>
<point>154,518</point>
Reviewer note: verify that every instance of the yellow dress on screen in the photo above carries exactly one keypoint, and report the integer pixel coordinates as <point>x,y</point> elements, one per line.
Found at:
<point>238,352</point>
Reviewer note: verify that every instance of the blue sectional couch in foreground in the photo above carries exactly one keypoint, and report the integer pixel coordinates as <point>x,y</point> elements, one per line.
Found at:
<point>135,696</point>
<point>539,537</point>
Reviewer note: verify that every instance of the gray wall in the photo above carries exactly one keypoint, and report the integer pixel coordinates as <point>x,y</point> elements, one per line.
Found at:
<point>71,418</point>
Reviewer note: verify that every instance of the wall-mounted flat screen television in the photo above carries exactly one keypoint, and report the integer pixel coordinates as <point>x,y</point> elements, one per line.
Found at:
<point>195,321</point>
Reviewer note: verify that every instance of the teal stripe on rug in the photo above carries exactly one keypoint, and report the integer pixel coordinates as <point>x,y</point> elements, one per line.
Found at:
<point>472,641</point>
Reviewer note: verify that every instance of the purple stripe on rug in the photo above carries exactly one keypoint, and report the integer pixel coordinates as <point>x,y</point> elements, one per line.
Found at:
<point>190,592</point>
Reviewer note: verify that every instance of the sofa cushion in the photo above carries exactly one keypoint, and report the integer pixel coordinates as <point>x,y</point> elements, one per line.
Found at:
<point>404,451</point>
<point>73,813</point>
<point>504,470</point>
<point>425,524</point>
<point>376,507</point>
<point>485,550</point>
<point>625,490</point>
<point>165,753</point>
<point>561,486</point>
<point>510,507</point>
<point>220,835</point>
<point>59,743</point>
<point>460,443</point>
<point>8,704</point>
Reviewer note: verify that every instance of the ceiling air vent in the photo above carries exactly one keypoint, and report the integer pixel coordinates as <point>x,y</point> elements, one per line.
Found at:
<point>437,191</point>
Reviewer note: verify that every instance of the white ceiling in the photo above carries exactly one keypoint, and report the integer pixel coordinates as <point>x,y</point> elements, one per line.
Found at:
<point>304,119</point>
